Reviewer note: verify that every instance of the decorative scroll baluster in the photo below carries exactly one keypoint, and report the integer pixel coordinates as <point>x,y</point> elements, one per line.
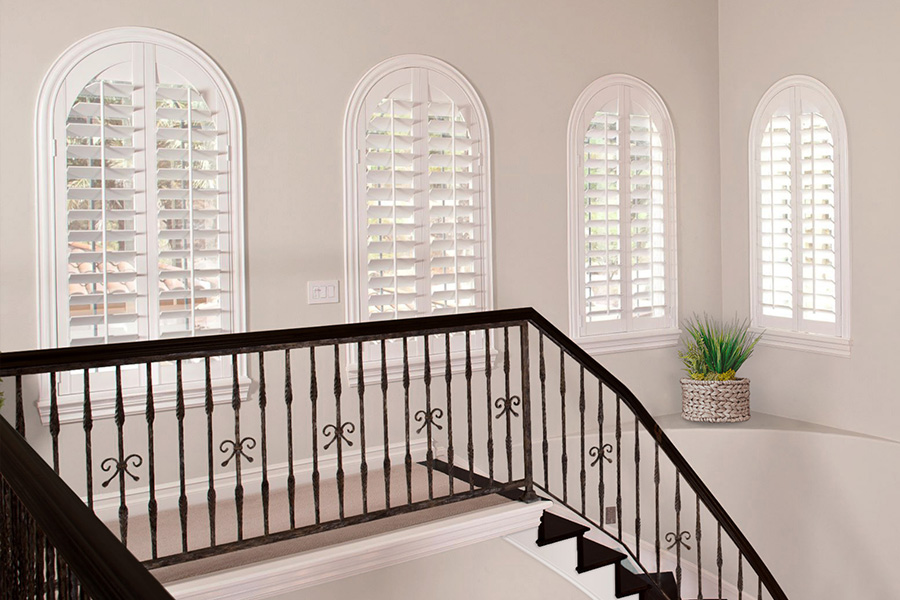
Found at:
<point>54,422</point>
<point>490,417</point>
<point>470,447</point>
<point>508,398</point>
<point>264,485</point>
<point>678,531</point>
<point>637,490</point>
<point>656,497</point>
<point>581,410</point>
<point>337,434</point>
<point>238,442</point>
<point>384,427</point>
<point>564,459</point>
<point>179,415</point>
<point>408,459</point>
<point>448,378</point>
<point>210,458</point>
<point>120,433</point>
<point>619,464</point>
<point>20,407</point>
<point>698,533</point>
<point>545,446</point>
<point>88,424</point>
<point>289,408</point>
<point>429,456</point>
<point>719,561</point>
<point>152,508</point>
<point>363,466</point>
<point>314,401</point>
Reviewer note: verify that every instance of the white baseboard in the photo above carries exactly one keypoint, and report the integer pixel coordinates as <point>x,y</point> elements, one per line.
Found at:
<point>291,573</point>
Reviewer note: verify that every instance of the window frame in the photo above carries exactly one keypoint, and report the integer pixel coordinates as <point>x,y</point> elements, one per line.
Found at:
<point>833,344</point>
<point>49,149</point>
<point>635,338</point>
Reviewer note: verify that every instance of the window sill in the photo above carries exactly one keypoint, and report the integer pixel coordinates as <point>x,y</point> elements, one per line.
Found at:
<point>807,342</point>
<point>103,403</point>
<point>650,339</point>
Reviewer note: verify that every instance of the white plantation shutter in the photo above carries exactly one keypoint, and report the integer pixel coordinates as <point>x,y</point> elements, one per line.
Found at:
<point>621,209</point>
<point>417,203</point>
<point>798,204</point>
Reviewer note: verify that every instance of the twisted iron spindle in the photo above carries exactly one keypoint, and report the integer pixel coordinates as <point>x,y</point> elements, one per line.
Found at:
<point>54,422</point>
<point>656,494</point>
<point>470,446</point>
<point>699,539</point>
<point>264,484</point>
<point>581,411</point>
<point>384,427</point>
<point>719,561</point>
<point>361,389</point>
<point>678,530</point>
<point>490,417</point>
<point>429,457</point>
<point>179,415</point>
<point>740,575</point>
<point>20,407</point>
<point>314,401</point>
<point>289,407</point>
<point>525,363</point>
<point>152,508</point>
<point>238,455</point>
<point>337,434</point>
<point>562,411</point>
<point>508,411</point>
<point>637,490</point>
<point>408,458</point>
<point>210,466</point>
<point>87,425</point>
<point>448,378</point>
<point>601,483</point>
<point>120,434</point>
<point>545,446</point>
<point>619,464</point>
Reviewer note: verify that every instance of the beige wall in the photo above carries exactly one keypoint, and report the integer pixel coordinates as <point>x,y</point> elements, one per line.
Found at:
<point>854,48</point>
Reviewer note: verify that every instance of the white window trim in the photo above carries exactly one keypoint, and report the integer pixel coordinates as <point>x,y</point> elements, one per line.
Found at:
<point>46,151</point>
<point>628,340</point>
<point>352,306</point>
<point>833,345</point>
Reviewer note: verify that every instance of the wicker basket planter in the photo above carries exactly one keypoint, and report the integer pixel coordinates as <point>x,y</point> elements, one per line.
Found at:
<point>715,401</point>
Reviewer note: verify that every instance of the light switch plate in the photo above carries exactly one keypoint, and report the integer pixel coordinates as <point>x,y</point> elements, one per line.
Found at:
<point>323,292</point>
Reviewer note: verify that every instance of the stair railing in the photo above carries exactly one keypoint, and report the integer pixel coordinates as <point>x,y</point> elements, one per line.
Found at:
<point>431,403</point>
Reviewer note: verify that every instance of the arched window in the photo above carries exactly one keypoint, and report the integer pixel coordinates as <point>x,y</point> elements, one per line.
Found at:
<point>140,195</point>
<point>799,207</point>
<point>622,258</point>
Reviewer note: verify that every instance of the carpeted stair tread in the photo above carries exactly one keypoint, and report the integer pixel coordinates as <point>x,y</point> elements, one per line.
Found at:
<point>554,528</point>
<point>593,555</point>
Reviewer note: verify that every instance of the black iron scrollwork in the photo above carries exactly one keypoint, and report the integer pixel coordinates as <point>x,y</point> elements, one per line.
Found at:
<point>426,418</point>
<point>506,405</point>
<point>121,466</point>
<point>237,448</point>
<point>338,431</point>
<point>678,539</point>
<point>597,454</point>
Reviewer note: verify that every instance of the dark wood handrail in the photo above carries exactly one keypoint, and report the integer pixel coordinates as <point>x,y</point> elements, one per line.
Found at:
<point>103,566</point>
<point>63,359</point>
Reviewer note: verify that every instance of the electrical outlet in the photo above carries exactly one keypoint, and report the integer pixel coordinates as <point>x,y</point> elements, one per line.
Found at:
<point>610,515</point>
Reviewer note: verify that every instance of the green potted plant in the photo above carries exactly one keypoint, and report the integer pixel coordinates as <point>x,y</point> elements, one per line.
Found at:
<point>713,352</point>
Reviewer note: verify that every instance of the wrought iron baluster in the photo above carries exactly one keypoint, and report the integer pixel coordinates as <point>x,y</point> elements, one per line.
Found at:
<point>264,485</point>
<point>408,459</point>
<point>490,417</point>
<point>619,464</point>
<point>179,415</point>
<point>719,561</point>
<point>210,457</point>
<point>601,484</point>
<point>448,378</point>
<point>542,374</point>
<point>289,408</point>
<point>656,496</point>
<point>20,407</point>
<point>87,424</point>
<point>526,413</point>
<point>363,466</point>
<point>759,593</point>
<point>384,426</point>
<point>120,434</point>
<point>740,575</point>
<point>238,444</point>
<point>54,422</point>
<point>470,447</point>
<point>50,563</point>
<point>338,438</point>
<point>581,411</point>
<point>314,401</point>
<point>39,545</point>
<point>637,490</point>
<point>152,508</point>
<point>429,457</point>
<point>699,539</point>
<point>509,473</point>
<point>564,459</point>
<point>678,530</point>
